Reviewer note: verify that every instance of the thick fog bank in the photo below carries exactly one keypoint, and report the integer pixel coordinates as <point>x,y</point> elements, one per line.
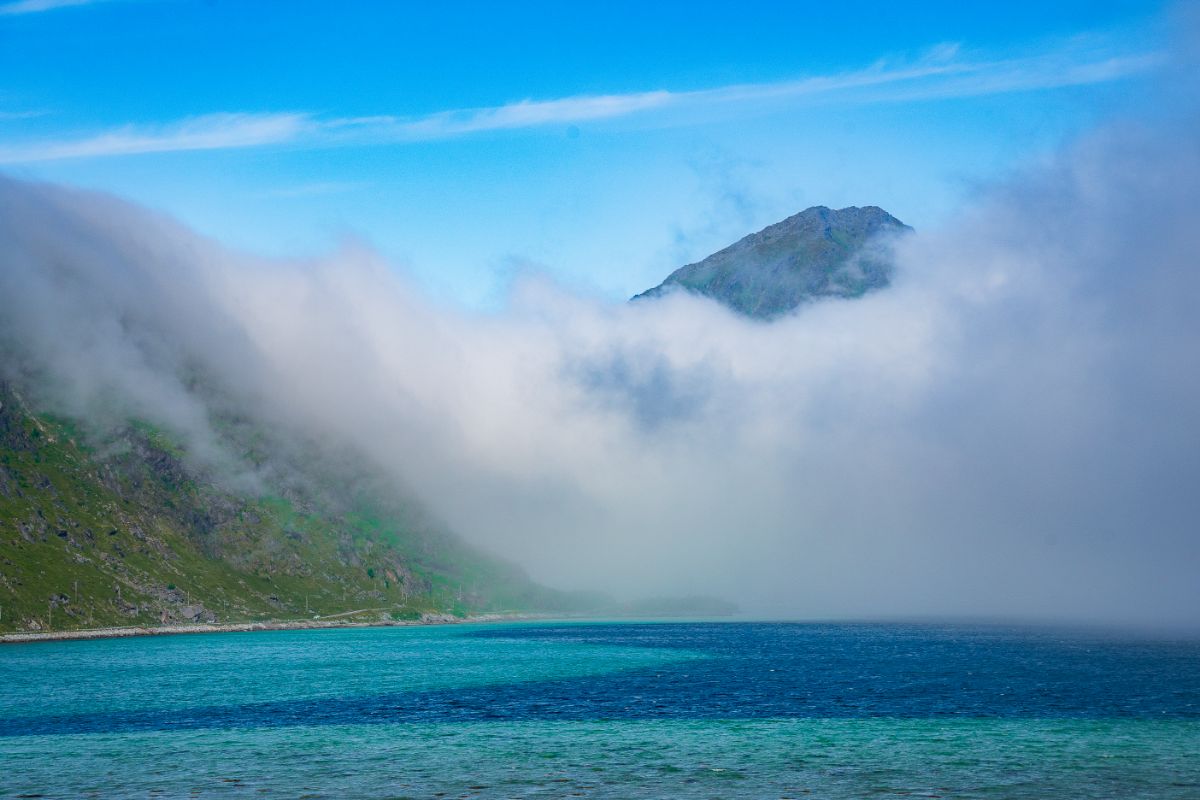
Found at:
<point>1013,428</point>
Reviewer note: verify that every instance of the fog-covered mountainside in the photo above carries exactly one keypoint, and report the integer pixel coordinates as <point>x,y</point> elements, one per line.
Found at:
<point>120,526</point>
<point>820,252</point>
<point>190,433</point>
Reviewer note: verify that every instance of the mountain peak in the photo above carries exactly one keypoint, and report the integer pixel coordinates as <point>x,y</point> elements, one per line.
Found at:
<point>818,252</point>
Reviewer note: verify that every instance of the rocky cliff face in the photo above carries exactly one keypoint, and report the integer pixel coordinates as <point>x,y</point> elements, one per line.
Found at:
<point>815,254</point>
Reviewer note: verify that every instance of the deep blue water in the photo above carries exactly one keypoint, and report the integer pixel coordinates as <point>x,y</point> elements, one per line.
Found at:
<point>977,711</point>
<point>772,670</point>
<point>751,671</point>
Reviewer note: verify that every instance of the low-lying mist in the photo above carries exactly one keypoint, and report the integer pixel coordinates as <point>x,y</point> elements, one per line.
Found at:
<point>1011,429</point>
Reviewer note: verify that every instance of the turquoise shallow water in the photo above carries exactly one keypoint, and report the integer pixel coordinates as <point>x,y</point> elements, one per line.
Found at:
<point>617,711</point>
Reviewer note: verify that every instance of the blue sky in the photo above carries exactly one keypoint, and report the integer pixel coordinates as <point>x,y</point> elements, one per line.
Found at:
<point>603,144</point>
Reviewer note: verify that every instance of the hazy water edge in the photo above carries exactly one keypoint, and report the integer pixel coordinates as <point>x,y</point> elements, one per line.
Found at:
<point>611,710</point>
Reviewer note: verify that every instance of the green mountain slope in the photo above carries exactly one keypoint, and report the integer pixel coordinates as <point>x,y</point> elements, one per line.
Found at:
<point>121,530</point>
<point>817,253</point>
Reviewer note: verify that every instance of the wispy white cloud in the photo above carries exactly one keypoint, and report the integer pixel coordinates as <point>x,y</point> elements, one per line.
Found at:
<point>1004,77</point>
<point>209,132</point>
<point>525,114</point>
<point>511,116</point>
<point>37,6</point>
<point>6,116</point>
<point>941,73</point>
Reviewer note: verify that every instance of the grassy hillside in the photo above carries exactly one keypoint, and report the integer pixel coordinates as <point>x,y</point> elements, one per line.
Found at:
<point>121,530</point>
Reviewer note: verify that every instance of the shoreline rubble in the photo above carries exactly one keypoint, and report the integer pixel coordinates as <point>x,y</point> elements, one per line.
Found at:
<point>24,637</point>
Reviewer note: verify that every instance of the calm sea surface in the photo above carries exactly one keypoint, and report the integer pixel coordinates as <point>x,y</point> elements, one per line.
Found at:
<point>621,710</point>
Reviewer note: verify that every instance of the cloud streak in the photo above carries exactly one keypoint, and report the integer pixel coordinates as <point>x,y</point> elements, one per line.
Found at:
<point>11,115</point>
<point>513,116</point>
<point>941,74</point>
<point>39,6</point>
<point>210,132</point>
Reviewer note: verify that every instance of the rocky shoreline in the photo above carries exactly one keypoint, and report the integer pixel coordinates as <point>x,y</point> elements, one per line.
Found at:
<point>337,621</point>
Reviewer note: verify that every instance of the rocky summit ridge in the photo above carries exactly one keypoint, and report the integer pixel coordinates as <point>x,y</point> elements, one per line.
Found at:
<point>817,253</point>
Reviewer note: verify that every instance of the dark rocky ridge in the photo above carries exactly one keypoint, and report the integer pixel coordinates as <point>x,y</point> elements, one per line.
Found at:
<point>818,253</point>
